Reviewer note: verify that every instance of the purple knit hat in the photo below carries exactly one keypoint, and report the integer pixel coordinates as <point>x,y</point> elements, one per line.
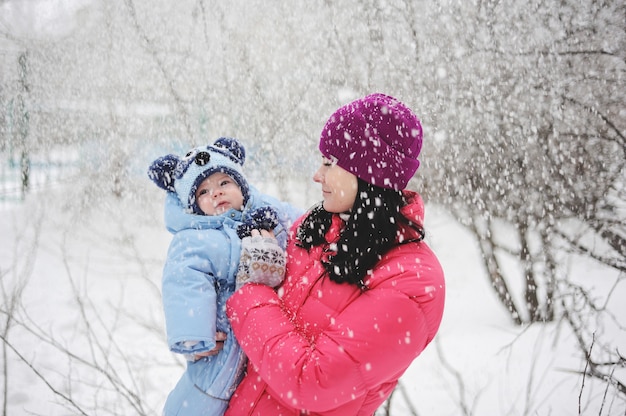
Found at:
<point>377,138</point>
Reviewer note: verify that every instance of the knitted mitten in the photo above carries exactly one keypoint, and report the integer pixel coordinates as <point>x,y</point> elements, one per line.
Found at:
<point>262,261</point>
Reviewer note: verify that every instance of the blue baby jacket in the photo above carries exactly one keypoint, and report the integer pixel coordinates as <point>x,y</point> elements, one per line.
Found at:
<point>198,277</point>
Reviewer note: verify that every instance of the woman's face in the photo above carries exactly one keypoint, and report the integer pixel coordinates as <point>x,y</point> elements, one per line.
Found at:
<point>339,187</point>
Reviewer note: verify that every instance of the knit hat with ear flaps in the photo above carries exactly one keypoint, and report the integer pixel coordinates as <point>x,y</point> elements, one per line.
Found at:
<point>377,138</point>
<point>184,175</point>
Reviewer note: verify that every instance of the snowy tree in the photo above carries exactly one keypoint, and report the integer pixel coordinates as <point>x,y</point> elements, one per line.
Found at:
<point>535,161</point>
<point>539,143</point>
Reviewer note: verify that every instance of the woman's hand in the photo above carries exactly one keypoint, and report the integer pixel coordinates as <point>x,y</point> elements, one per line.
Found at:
<point>220,337</point>
<point>262,233</point>
<point>262,260</point>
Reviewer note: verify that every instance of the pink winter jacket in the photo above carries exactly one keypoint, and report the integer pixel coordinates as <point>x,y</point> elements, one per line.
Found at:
<point>316,347</point>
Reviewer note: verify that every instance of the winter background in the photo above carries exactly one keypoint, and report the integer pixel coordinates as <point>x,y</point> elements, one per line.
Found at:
<point>522,170</point>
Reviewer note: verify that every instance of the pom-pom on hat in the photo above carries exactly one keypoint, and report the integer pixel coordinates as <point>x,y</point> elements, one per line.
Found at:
<point>377,138</point>
<point>184,175</point>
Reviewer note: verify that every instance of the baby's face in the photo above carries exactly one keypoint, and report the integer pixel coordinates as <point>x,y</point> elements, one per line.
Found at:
<point>218,193</point>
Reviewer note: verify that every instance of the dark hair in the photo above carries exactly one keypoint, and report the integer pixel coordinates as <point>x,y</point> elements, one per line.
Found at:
<point>370,231</point>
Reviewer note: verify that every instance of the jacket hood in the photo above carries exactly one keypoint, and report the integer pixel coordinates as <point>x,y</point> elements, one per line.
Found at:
<point>178,218</point>
<point>413,211</point>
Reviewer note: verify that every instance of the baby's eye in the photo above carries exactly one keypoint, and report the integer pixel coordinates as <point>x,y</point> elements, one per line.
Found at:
<point>225,182</point>
<point>202,192</point>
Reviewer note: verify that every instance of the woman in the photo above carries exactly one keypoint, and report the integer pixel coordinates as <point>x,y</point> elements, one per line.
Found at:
<point>363,294</point>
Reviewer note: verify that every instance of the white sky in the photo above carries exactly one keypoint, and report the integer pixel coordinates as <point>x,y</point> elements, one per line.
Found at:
<point>40,18</point>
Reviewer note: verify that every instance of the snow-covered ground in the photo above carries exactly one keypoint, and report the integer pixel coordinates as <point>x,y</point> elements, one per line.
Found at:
<point>81,276</point>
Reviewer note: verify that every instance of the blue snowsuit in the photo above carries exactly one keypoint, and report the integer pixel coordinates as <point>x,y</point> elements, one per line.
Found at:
<point>198,277</point>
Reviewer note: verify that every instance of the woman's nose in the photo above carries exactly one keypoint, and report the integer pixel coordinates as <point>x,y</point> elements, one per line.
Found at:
<point>318,176</point>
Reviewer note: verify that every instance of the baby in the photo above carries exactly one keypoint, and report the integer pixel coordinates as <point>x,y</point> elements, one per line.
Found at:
<point>209,208</point>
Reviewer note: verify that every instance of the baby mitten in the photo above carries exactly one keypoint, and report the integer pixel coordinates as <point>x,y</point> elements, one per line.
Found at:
<point>262,261</point>
<point>264,218</point>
